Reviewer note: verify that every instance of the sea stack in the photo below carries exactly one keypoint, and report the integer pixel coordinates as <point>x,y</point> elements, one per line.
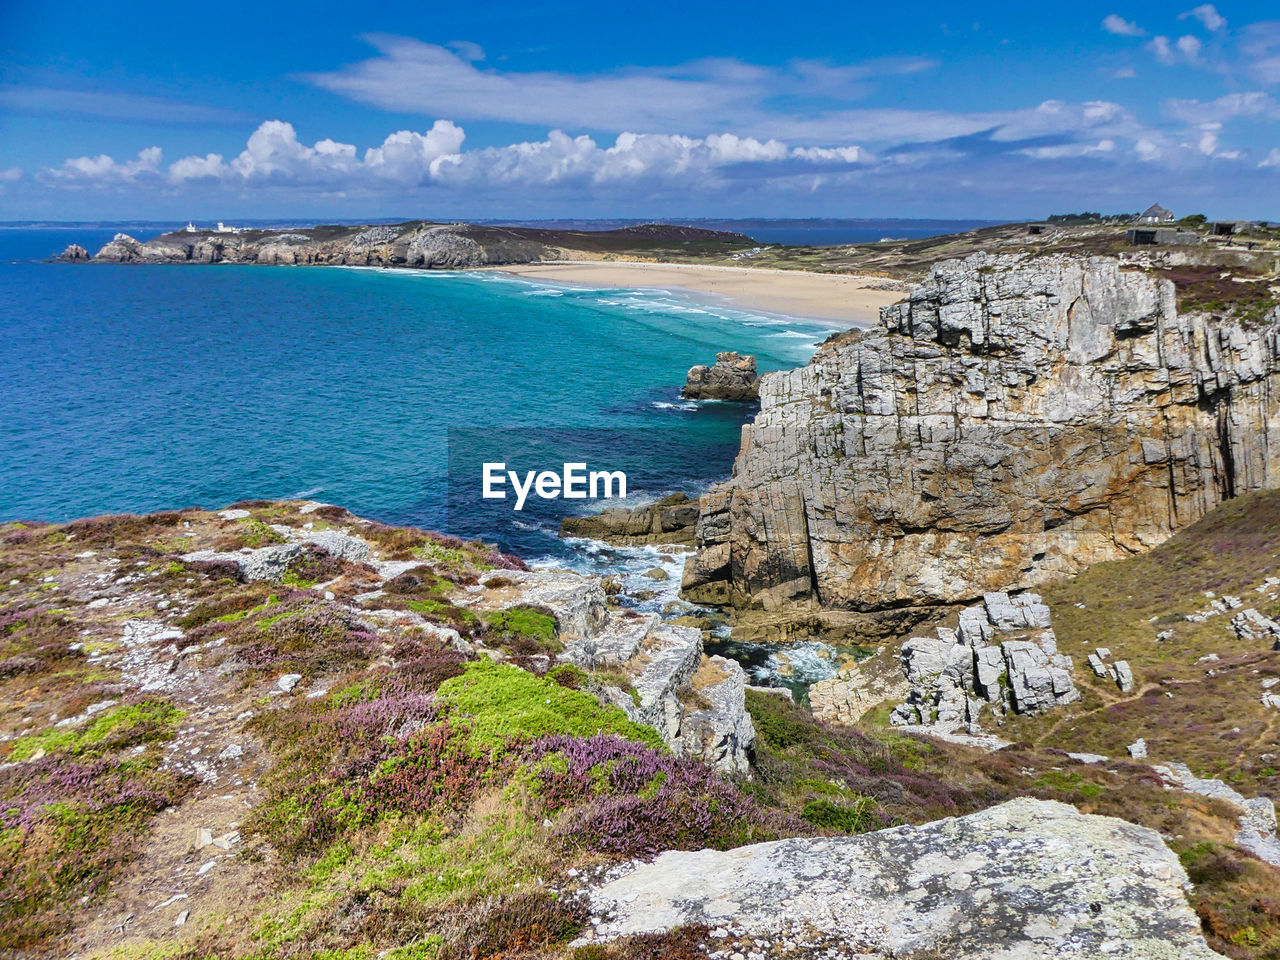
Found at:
<point>732,378</point>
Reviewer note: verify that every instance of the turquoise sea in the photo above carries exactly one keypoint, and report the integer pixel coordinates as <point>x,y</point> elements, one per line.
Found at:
<point>138,388</point>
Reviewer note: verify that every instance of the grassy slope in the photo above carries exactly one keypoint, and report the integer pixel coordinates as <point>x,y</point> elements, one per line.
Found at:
<point>412,800</point>
<point>1207,714</point>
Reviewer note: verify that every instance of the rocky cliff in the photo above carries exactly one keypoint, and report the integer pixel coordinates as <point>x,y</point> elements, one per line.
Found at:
<point>1014,420</point>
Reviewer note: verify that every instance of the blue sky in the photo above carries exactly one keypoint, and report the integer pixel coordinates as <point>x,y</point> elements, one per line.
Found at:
<point>551,109</point>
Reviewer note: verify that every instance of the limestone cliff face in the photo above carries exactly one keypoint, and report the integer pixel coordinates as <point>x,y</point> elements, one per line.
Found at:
<point>1015,420</point>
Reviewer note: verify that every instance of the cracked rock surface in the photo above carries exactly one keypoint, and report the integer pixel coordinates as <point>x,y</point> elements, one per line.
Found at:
<point>1027,879</point>
<point>1014,420</point>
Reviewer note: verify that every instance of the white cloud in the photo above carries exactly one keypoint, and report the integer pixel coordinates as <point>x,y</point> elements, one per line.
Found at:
<point>1186,48</point>
<point>1065,151</point>
<point>715,94</point>
<point>1261,50</point>
<point>274,152</point>
<point>1117,25</point>
<point>110,105</point>
<point>11,175</point>
<point>1189,47</point>
<point>1208,15</point>
<point>102,169</point>
<point>1147,149</point>
<point>1254,104</point>
<point>411,157</point>
<point>466,49</point>
<point>1123,73</point>
<point>1272,159</point>
<point>197,168</point>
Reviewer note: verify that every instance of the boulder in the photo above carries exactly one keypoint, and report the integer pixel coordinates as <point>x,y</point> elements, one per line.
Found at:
<point>74,253</point>
<point>1015,420</point>
<point>696,703</point>
<point>1028,878</point>
<point>732,378</point>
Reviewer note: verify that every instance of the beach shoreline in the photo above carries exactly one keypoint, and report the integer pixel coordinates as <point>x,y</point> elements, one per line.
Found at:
<point>845,300</point>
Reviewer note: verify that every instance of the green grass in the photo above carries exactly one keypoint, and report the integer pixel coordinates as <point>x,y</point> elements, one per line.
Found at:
<point>525,621</point>
<point>501,704</point>
<point>113,729</point>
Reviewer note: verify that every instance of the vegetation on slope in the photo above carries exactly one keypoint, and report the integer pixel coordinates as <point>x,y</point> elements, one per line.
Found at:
<point>410,798</point>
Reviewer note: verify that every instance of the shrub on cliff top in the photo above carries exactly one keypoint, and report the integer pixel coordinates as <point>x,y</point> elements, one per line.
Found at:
<point>630,800</point>
<point>66,828</point>
<point>501,705</point>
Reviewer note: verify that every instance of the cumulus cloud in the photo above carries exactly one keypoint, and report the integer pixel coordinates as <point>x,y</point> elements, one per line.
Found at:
<point>1208,15</point>
<point>102,169</point>
<point>275,157</point>
<point>413,157</point>
<point>1118,26</point>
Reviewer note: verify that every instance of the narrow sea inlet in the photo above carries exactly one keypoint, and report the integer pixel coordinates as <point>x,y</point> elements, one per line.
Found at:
<point>143,388</point>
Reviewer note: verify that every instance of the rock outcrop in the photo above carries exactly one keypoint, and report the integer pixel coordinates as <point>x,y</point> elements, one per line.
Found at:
<point>1002,654</point>
<point>697,703</point>
<point>121,248</point>
<point>1015,420</point>
<point>74,253</point>
<point>854,691</point>
<point>1257,832</point>
<point>732,378</point>
<point>673,519</point>
<point>1251,626</point>
<point>1029,878</point>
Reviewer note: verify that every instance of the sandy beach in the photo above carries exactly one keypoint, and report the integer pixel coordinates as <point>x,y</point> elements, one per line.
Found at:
<point>849,300</point>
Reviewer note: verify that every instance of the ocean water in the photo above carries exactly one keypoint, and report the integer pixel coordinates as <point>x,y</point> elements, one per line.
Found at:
<point>138,388</point>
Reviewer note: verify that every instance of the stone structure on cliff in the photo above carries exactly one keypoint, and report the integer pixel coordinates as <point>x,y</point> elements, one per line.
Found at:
<point>1014,420</point>
<point>1029,878</point>
<point>732,378</point>
<point>1002,654</point>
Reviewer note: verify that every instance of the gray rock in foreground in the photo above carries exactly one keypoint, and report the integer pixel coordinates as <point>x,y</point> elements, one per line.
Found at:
<point>1027,879</point>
